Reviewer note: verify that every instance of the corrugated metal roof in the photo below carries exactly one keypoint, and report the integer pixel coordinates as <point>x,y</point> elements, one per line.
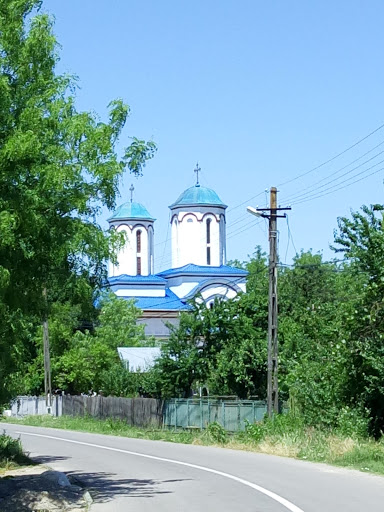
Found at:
<point>138,358</point>
<point>131,210</point>
<point>127,279</point>
<point>170,302</point>
<point>198,195</point>
<point>204,270</point>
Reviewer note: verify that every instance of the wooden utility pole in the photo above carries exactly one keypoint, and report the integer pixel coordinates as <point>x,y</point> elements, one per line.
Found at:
<point>272,383</point>
<point>47,358</point>
<point>271,214</point>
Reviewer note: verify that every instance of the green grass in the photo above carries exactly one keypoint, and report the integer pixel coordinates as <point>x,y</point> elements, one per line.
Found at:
<point>110,426</point>
<point>286,436</point>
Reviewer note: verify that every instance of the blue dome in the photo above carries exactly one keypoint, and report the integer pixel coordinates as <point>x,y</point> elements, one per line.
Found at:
<point>198,195</point>
<point>131,210</point>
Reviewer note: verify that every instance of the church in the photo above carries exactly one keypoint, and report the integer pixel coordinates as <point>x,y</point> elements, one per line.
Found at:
<point>198,272</point>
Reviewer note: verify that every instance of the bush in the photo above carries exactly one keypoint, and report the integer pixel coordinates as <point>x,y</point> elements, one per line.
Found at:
<point>352,422</point>
<point>216,433</point>
<point>10,449</point>
<point>254,431</point>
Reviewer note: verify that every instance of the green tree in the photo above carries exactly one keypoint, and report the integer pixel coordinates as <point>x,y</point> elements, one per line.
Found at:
<point>361,240</point>
<point>312,345</point>
<point>90,359</point>
<point>58,166</point>
<point>222,347</point>
<point>180,364</point>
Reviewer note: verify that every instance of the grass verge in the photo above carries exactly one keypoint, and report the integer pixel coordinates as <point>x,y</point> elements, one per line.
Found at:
<point>285,436</point>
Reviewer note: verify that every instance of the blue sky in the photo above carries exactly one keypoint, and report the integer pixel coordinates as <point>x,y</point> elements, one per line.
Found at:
<point>258,92</point>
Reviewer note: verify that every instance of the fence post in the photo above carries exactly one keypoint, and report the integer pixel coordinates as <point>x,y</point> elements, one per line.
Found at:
<point>201,414</point>
<point>175,414</point>
<point>223,412</point>
<point>209,412</point>
<point>238,416</point>
<point>188,412</point>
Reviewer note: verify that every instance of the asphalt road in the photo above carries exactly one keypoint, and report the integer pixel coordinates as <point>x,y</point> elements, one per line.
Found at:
<point>139,475</point>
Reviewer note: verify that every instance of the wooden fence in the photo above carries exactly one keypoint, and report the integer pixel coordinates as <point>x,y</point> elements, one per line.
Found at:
<point>138,412</point>
<point>144,412</point>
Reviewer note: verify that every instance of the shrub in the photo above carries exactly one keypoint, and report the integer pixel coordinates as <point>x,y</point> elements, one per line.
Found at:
<point>10,449</point>
<point>254,431</point>
<point>352,422</point>
<point>215,432</point>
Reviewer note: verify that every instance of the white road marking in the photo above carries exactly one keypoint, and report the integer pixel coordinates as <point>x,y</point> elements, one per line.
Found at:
<point>287,504</point>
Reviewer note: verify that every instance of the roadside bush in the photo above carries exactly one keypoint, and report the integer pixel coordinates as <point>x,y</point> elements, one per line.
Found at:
<point>254,431</point>
<point>10,450</point>
<point>216,433</point>
<point>352,422</point>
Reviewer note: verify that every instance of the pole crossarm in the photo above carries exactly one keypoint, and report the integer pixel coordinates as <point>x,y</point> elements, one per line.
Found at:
<point>275,209</point>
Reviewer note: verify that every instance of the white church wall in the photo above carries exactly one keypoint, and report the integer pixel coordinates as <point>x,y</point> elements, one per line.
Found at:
<point>175,242</point>
<point>124,256</point>
<point>143,254</point>
<point>223,291</point>
<point>183,289</point>
<point>189,239</point>
<point>140,292</point>
<point>214,243</point>
<point>127,255</point>
<point>156,326</point>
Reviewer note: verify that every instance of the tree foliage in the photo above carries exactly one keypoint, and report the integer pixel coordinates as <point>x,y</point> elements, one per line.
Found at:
<point>221,348</point>
<point>361,240</point>
<point>58,166</point>
<point>84,360</point>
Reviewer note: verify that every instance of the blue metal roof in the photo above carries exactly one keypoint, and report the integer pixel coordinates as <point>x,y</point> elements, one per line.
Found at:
<point>170,302</point>
<point>198,195</point>
<point>126,279</point>
<point>192,269</point>
<point>131,210</point>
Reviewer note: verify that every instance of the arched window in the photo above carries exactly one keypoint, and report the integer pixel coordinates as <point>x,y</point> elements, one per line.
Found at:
<point>208,255</point>
<point>208,237</point>
<point>138,241</point>
<point>209,231</point>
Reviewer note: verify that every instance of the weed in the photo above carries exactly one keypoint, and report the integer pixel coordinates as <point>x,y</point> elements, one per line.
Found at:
<point>216,433</point>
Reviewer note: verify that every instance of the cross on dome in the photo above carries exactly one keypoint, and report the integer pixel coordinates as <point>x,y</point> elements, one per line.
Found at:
<point>131,189</point>
<point>197,170</point>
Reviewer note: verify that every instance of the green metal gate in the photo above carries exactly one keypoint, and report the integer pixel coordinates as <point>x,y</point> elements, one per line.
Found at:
<point>198,413</point>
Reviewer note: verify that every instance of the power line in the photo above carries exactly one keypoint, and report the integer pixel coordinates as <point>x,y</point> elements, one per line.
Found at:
<point>290,239</point>
<point>333,158</point>
<point>332,174</point>
<point>342,187</point>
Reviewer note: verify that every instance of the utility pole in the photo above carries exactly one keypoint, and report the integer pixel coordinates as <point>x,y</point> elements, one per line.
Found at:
<point>272,384</point>
<point>273,343</point>
<point>47,359</point>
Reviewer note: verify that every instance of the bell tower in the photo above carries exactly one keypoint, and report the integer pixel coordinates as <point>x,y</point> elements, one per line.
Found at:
<point>136,258</point>
<point>198,227</point>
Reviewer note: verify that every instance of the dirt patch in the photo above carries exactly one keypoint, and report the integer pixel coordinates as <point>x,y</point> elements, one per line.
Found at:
<point>39,489</point>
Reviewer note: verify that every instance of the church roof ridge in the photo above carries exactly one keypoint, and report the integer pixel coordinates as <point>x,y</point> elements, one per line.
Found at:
<point>209,270</point>
<point>137,279</point>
